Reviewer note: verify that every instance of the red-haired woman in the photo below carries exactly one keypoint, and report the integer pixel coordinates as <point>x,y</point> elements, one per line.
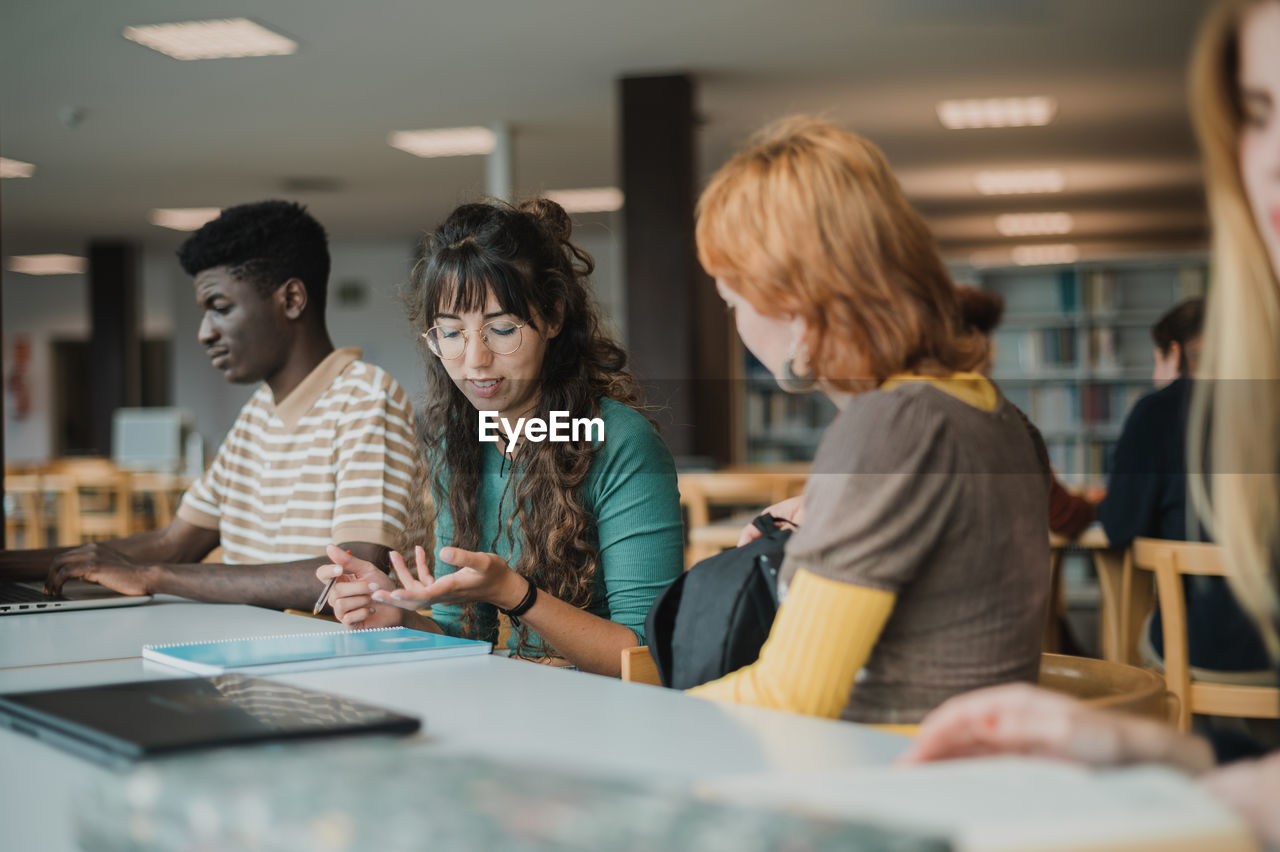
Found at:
<point>921,562</point>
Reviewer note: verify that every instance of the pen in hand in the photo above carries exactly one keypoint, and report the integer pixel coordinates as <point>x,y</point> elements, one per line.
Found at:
<point>324,594</point>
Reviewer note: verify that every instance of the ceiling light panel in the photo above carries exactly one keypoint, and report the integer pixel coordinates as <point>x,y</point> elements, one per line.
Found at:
<point>221,39</point>
<point>445,142</point>
<point>974,113</point>
<point>1034,224</point>
<point>600,199</point>
<point>16,168</point>
<point>182,218</point>
<point>1040,255</point>
<point>1020,182</point>
<point>48,264</point>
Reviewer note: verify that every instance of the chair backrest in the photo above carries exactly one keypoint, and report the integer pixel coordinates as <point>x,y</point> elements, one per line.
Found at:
<point>98,506</point>
<point>24,516</point>
<point>700,491</point>
<point>1107,685</point>
<point>1170,561</point>
<point>638,666</point>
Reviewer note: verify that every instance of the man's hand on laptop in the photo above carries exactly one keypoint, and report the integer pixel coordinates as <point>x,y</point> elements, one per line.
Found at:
<point>98,563</point>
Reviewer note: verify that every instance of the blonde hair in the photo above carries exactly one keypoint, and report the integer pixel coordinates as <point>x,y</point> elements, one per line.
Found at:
<point>1238,496</point>
<point>808,221</point>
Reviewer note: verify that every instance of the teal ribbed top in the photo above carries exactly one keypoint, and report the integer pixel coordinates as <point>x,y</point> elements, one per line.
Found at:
<point>630,490</point>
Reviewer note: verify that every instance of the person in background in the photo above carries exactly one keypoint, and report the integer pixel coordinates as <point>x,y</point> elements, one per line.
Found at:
<point>320,453</point>
<point>1069,513</point>
<point>897,570</point>
<point>1235,101</point>
<point>573,539</point>
<point>1147,496</point>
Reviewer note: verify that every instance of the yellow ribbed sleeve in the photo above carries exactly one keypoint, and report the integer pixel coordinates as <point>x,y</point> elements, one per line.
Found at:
<point>823,635</point>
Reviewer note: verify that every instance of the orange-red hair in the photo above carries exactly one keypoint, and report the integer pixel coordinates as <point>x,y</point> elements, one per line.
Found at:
<point>809,221</point>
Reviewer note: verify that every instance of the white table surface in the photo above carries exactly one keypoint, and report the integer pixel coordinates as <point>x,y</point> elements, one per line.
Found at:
<point>485,705</point>
<point>493,706</point>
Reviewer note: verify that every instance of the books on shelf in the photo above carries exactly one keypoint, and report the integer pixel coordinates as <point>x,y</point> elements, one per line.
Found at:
<point>1099,291</point>
<point>1053,407</point>
<point>1102,349</point>
<point>1046,348</point>
<point>1100,454</point>
<point>305,651</point>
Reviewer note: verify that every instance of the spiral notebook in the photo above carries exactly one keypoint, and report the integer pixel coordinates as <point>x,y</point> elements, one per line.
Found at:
<point>300,652</point>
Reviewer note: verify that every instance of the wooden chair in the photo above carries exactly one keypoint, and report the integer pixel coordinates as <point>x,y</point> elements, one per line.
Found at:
<point>98,500</point>
<point>1169,561</point>
<point>25,522</point>
<point>98,507</point>
<point>638,666</point>
<point>1106,685</point>
<point>700,491</point>
<point>155,499</point>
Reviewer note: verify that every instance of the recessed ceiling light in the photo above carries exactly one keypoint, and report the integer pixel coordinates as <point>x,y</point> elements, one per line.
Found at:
<point>1034,224</point>
<point>1020,182</point>
<point>1045,254</point>
<point>974,113</point>
<point>222,39</point>
<point>594,200</point>
<point>48,264</point>
<point>15,168</point>
<point>446,142</point>
<point>182,218</point>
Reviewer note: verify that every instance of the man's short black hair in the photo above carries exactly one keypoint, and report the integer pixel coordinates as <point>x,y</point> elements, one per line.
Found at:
<point>265,243</point>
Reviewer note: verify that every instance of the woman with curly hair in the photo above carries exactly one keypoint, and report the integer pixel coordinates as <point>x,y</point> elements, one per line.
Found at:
<point>572,539</point>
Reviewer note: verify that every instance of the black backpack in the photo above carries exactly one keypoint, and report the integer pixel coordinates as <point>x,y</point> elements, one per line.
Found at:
<point>713,619</point>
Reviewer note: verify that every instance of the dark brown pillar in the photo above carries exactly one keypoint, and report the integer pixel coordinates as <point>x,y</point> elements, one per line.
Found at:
<point>676,332</point>
<point>114,351</point>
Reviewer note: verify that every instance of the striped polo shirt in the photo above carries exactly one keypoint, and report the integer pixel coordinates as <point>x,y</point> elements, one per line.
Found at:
<point>331,462</point>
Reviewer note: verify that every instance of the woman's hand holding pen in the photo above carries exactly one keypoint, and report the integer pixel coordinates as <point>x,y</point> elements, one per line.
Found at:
<point>480,578</point>
<point>351,597</point>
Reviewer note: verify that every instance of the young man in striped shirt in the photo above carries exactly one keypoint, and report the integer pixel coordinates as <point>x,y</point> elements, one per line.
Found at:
<point>322,452</point>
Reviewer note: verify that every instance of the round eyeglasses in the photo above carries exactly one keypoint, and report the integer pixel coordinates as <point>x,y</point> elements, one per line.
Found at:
<point>500,336</point>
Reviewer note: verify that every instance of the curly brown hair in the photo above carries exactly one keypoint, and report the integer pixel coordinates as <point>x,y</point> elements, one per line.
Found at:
<point>523,256</point>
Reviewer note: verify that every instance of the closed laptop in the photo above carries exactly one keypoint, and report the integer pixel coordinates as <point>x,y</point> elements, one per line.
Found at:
<point>118,724</point>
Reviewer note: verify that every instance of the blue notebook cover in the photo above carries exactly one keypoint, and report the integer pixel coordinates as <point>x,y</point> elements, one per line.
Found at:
<point>312,651</point>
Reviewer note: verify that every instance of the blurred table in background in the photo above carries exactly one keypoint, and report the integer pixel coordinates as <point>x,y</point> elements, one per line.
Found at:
<point>71,501</point>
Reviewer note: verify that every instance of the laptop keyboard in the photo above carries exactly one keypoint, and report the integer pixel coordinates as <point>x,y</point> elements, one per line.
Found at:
<point>14,593</point>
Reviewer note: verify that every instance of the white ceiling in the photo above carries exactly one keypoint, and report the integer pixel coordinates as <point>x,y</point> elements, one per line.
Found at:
<point>158,132</point>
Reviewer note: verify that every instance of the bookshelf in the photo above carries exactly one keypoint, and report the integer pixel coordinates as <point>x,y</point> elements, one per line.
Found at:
<point>779,427</point>
<point>1073,351</point>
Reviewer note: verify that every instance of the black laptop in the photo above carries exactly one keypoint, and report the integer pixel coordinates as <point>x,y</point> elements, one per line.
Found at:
<point>119,724</point>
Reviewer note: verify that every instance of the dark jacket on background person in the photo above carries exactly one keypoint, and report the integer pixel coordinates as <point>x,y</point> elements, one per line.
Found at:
<point>1147,497</point>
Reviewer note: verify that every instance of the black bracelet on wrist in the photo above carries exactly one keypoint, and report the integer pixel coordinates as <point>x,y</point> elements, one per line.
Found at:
<point>525,604</point>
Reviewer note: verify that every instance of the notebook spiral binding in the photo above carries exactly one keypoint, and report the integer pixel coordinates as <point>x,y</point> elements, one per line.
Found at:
<point>277,636</point>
